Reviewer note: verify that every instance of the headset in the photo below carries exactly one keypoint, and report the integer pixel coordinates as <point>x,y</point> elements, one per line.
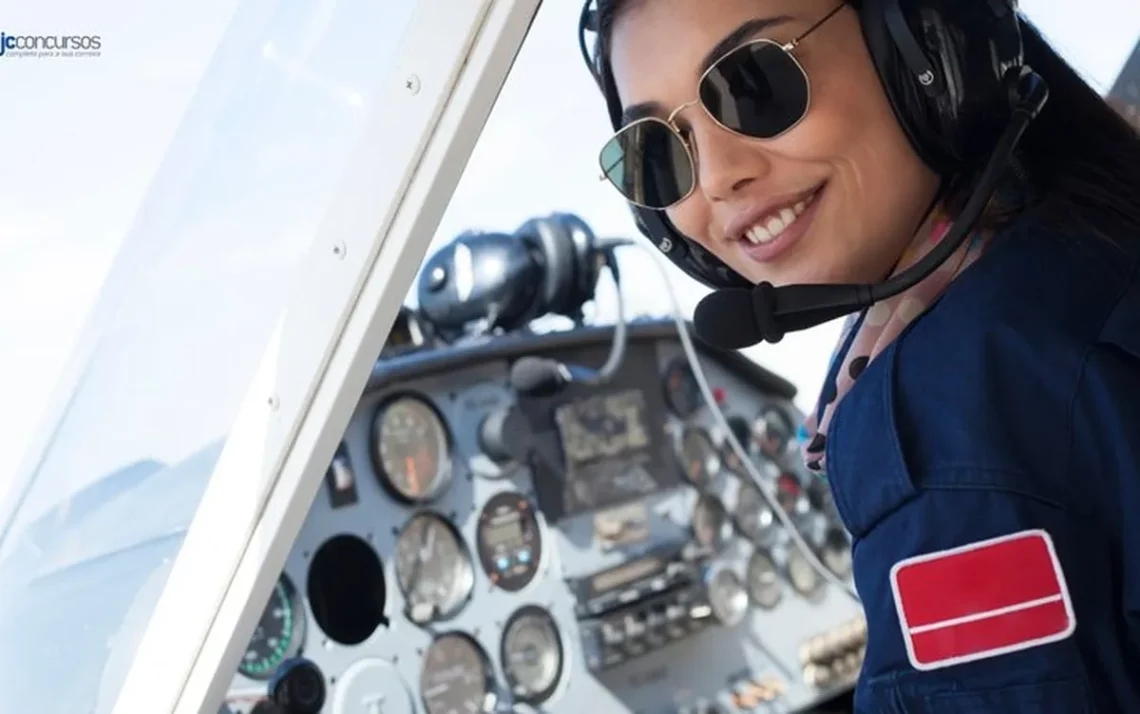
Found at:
<point>954,73</point>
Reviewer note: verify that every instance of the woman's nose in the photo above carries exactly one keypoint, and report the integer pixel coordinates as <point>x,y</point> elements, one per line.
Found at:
<point>726,163</point>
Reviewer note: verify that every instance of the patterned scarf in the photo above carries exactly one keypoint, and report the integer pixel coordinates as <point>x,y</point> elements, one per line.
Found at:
<point>876,328</point>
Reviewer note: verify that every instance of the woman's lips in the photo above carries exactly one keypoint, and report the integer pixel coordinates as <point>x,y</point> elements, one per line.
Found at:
<point>789,233</point>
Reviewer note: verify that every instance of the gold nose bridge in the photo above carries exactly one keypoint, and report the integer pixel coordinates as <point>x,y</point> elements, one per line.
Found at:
<point>673,114</point>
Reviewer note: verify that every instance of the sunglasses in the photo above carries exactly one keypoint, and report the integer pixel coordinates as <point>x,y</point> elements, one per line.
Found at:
<point>758,90</point>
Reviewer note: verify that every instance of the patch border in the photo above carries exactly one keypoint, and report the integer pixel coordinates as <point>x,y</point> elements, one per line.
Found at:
<point>908,639</point>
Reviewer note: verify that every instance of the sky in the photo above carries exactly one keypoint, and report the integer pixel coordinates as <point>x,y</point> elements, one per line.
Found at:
<point>82,139</point>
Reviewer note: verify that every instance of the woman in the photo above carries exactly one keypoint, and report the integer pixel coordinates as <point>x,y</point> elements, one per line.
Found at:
<point>980,431</point>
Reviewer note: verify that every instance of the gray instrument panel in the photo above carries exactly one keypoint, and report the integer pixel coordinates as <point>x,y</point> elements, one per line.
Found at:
<point>776,649</point>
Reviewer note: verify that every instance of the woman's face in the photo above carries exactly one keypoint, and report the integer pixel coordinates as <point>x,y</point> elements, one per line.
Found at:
<point>862,188</point>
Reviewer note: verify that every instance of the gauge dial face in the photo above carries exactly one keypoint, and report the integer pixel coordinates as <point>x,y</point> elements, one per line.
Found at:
<point>411,449</point>
<point>740,429</point>
<point>773,430</point>
<point>278,634</point>
<point>699,457</point>
<point>456,677</point>
<point>710,519</point>
<point>836,552</point>
<point>731,461</point>
<point>764,584</point>
<point>508,541</point>
<point>433,568</point>
<point>790,495</point>
<point>753,516</point>
<point>803,577</point>
<point>727,597</point>
<point>532,654</point>
<point>682,393</point>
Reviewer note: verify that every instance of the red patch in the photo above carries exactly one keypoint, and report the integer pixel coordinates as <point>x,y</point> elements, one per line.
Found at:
<point>982,600</point>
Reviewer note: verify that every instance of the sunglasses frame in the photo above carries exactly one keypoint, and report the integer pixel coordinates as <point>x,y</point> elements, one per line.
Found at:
<point>670,122</point>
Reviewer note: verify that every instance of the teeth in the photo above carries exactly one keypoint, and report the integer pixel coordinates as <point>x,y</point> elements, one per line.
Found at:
<point>770,227</point>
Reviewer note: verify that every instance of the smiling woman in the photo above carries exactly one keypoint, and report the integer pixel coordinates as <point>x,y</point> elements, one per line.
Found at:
<point>837,175</point>
<point>940,162</point>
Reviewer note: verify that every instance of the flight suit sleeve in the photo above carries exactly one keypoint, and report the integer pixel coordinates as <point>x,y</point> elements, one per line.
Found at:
<point>975,601</point>
<point>1000,598</point>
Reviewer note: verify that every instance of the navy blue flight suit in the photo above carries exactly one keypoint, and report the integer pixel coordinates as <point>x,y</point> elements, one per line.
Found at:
<point>1011,409</point>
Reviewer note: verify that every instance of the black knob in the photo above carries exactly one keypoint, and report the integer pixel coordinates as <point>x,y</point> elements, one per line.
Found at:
<point>298,688</point>
<point>504,435</point>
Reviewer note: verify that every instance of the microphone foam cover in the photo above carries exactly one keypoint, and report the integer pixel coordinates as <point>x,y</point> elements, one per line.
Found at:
<point>726,319</point>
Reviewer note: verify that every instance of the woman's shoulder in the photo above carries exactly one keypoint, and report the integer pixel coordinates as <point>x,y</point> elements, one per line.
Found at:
<point>988,375</point>
<point>1038,294</point>
<point>981,390</point>
<point>1039,275</point>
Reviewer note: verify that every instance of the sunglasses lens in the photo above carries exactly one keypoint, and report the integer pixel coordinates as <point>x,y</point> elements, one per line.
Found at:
<point>758,90</point>
<point>648,163</point>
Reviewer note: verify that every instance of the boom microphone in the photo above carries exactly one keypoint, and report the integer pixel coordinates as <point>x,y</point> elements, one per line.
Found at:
<point>734,318</point>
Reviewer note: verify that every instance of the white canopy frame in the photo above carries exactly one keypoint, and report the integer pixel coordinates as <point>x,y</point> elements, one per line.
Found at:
<point>453,60</point>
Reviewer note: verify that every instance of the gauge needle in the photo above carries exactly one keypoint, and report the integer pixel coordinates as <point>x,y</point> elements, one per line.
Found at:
<point>427,545</point>
<point>413,477</point>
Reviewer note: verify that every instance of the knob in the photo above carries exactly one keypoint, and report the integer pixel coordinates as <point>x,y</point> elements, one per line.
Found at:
<point>612,635</point>
<point>298,687</point>
<point>817,675</point>
<point>504,435</point>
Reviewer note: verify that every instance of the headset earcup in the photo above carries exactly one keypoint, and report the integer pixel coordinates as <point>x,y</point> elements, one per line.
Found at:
<point>567,246</point>
<point>915,111</point>
<point>583,243</point>
<point>969,46</point>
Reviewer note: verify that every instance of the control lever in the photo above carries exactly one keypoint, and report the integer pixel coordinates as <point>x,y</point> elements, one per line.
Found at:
<point>505,435</point>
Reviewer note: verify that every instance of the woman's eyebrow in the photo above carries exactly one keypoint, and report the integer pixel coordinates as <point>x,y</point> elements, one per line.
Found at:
<point>737,37</point>
<point>725,45</point>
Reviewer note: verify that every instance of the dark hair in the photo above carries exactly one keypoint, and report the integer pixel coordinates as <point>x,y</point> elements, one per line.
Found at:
<point>1078,164</point>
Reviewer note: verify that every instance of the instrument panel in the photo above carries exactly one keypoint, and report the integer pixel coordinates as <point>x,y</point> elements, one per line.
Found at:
<point>476,551</point>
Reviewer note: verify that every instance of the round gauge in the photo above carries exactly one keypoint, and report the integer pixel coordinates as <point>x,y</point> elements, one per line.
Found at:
<point>753,516</point>
<point>731,461</point>
<point>836,552</point>
<point>727,596</point>
<point>790,495</point>
<point>764,585</point>
<point>532,654</point>
<point>802,575</point>
<point>739,427</point>
<point>432,568</point>
<point>682,393</point>
<point>773,430</point>
<point>508,541</point>
<point>278,634</point>
<point>411,449</point>
<point>698,457</point>
<point>710,519</point>
<point>456,677</point>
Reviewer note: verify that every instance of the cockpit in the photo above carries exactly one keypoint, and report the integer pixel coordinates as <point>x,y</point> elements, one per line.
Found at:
<point>349,432</point>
